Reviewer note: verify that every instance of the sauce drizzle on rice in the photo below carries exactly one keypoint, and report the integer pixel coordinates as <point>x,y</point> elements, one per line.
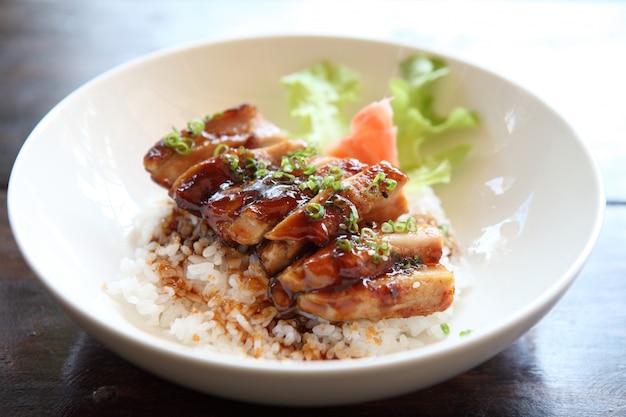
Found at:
<point>344,265</point>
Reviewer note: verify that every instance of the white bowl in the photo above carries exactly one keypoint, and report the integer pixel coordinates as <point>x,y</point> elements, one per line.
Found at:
<point>527,204</point>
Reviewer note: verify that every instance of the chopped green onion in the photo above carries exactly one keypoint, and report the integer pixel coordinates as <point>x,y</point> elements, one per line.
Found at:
<point>391,184</point>
<point>231,160</point>
<point>314,210</point>
<point>387,227</point>
<point>171,139</point>
<point>260,169</point>
<point>283,177</point>
<point>306,152</point>
<point>250,163</point>
<point>220,149</point>
<point>297,160</point>
<point>286,164</point>
<point>195,126</point>
<point>184,147</point>
<point>399,227</point>
<point>379,177</point>
<point>384,248</point>
<point>353,220</point>
<point>445,328</point>
<point>310,184</point>
<point>372,190</point>
<point>368,233</point>
<point>374,187</point>
<point>344,244</point>
<point>181,144</point>
<point>335,172</point>
<point>466,332</point>
<point>316,183</point>
<point>378,250</point>
<point>411,224</point>
<point>287,167</point>
<point>327,182</point>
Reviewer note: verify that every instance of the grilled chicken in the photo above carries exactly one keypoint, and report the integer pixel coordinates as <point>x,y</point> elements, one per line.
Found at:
<point>275,201</point>
<point>420,291</point>
<point>239,126</point>
<point>316,222</point>
<point>353,202</point>
<point>351,258</point>
<point>358,202</point>
<point>192,189</point>
<point>332,264</point>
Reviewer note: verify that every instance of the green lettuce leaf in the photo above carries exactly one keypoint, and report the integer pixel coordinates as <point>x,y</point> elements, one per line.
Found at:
<point>316,96</point>
<point>419,125</point>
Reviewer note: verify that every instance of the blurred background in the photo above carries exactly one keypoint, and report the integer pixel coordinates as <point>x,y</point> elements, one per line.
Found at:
<point>567,52</point>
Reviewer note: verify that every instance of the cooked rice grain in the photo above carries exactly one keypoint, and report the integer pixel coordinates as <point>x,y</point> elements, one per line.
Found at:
<point>214,297</point>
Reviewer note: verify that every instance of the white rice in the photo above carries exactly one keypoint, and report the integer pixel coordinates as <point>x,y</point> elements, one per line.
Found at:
<point>214,297</point>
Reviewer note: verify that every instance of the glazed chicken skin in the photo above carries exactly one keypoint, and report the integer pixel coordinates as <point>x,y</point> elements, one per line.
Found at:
<point>274,201</point>
<point>353,267</point>
<point>332,234</point>
<point>359,257</point>
<point>239,126</point>
<point>415,292</point>
<point>356,202</point>
<point>198,183</point>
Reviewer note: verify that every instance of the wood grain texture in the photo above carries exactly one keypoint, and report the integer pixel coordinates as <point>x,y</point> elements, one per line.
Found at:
<point>573,363</point>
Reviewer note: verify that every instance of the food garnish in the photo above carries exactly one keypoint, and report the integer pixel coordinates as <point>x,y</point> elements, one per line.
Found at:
<point>308,215</point>
<point>314,244</point>
<point>181,144</point>
<point>316,223</point>
<point>405,123</point>
<point>316,97</point>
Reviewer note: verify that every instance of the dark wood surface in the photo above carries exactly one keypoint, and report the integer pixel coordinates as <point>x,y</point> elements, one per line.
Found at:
<point>573,363</point>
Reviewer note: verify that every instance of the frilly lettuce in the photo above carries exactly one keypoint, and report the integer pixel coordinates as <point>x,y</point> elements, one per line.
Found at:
<point>419,125</point>
<point>316,97</point>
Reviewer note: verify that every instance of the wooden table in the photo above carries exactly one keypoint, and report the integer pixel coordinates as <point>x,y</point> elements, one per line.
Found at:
<point>573,363</point>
